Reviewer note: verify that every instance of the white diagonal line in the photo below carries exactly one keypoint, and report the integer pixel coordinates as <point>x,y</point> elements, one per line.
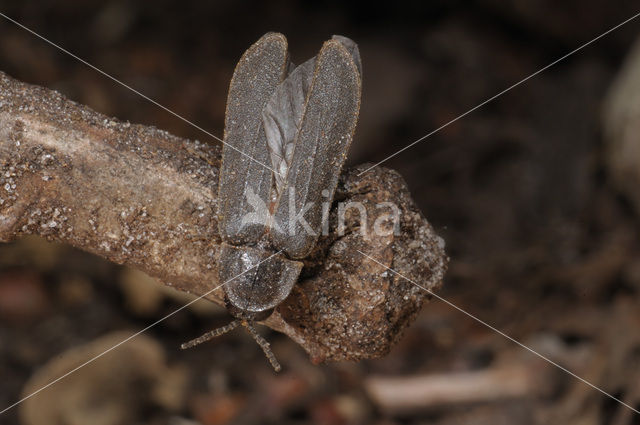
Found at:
<point>482,322</point>
<point>503,92</point>
<point>131,337</point>
<point>175,114</point>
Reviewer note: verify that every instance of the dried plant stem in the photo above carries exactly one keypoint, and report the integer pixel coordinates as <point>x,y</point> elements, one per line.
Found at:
<point>139,196</point>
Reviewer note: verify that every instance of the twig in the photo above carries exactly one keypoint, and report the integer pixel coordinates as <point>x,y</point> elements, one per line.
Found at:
<point>405,394</point>
<point>139,196</point>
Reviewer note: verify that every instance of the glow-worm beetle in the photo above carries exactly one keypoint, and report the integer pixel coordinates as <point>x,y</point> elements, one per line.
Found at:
<point>300,120</point>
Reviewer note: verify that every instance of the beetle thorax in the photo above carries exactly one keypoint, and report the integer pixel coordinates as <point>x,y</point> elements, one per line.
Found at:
<point>255,280</point>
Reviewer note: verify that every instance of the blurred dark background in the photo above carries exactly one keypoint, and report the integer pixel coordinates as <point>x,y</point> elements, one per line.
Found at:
<point>543,245</point>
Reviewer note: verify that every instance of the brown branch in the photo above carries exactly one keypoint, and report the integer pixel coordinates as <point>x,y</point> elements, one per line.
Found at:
<point>139,196</point>
<point>402,394</point>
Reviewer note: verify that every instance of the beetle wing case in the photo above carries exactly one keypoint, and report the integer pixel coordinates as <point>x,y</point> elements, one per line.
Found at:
<point>327,127</point>
<point>245,153</point>
<point>253,282</point>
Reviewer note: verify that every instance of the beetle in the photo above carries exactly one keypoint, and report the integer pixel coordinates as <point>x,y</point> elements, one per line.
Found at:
<point>301,121</point>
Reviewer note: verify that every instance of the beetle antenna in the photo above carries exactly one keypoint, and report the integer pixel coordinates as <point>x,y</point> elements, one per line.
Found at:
<point>211,334</point>
<point>264,344</point>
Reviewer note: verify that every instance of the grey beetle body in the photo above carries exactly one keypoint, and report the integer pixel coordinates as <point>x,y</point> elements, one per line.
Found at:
<point>301,121</point>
